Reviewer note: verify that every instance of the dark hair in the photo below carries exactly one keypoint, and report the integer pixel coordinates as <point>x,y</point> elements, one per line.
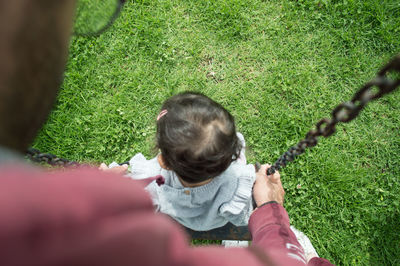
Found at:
<point>197,137</point>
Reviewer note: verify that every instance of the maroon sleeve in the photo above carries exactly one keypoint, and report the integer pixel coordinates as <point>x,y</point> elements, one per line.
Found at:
<point>319,262</point>
<point>270,229</point>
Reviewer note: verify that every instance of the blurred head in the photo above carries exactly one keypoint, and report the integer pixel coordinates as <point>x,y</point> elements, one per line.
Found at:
<point>34,37</point>
<point>196,136</point>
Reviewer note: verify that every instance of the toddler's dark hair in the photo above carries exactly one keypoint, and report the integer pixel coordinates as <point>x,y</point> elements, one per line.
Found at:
<point>197,137</point>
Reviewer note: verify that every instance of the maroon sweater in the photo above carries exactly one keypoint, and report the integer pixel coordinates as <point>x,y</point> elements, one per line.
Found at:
<point>87,217</point>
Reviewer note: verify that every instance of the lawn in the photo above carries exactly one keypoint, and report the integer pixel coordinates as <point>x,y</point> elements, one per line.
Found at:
<point>278,67</point>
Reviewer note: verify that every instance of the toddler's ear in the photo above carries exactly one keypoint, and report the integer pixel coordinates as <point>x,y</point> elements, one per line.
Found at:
<point>161,161</point>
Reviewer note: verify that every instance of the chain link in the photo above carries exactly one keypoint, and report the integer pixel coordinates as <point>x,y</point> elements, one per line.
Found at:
<point>344,112</point>
<point>38,157</point>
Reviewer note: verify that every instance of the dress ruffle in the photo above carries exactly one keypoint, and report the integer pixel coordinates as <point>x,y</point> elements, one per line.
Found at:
<point>239,208</point>
<point>142,168</point>
<point>227,198</point>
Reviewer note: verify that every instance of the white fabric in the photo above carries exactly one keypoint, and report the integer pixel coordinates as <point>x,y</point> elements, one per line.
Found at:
<point>226,198</point>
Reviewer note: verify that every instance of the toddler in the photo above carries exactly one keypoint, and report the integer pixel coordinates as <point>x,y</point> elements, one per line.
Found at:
<point>201,176</point>
<point>206,182</point>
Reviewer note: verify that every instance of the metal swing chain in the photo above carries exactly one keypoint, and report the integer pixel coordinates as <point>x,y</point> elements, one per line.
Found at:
<point>344,112</point>
<point>36,156</point>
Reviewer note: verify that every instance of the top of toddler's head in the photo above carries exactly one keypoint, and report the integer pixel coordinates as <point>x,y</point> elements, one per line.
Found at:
<point>196,136</point>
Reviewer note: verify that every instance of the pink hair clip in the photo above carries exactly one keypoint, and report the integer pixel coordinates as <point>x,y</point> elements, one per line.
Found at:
<point>161,114</point>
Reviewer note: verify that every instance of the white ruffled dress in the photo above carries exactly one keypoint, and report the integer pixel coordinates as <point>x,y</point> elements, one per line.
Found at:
<point>227,198</point>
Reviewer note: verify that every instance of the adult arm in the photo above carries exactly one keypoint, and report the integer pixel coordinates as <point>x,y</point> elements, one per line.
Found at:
<point>270,229</point>
<point>86,217</point>
<point>269,223</point>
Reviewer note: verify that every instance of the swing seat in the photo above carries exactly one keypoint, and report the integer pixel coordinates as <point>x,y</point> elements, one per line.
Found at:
<point>226,232</point>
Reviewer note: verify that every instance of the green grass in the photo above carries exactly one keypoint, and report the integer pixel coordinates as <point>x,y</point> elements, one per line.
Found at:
<point>278,66</point>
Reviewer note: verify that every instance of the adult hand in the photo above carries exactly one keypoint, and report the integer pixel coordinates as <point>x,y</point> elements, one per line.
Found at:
<point>116,170</point>
<point>267,188</point>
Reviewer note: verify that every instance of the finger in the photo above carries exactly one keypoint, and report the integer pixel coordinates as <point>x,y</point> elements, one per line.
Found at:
<point>103,166</point>
<point>265,167</point>
<point>268,168</point>
<point>120,169</point>
<point>275,178</point>
<point>275,173</point>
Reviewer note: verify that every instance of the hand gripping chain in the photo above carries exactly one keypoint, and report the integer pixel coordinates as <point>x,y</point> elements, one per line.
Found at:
<point>344,112</point>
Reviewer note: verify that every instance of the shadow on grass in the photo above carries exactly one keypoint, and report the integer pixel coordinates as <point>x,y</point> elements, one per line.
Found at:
<point>385,240</point>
